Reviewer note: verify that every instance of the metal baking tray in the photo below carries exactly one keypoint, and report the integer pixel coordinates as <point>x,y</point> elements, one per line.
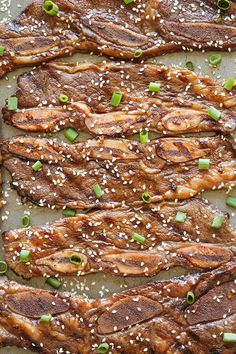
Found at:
<point>95,285</point>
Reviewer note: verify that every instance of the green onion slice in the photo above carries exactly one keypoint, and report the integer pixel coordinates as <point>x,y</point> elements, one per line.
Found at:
<point>98,191</point>
<point>138,238</point>
<point>37,166</point>
<point>215,59</point>
<point>54,282</point>
<point>12,103</point>
<point>103,348</point>
<point>45,319</point>
<point>69,212</point>
<point>231,201</point>
<point>63,98</point>
<point>138,53</point>
<point>229,83</point>
<point>24,256</point>
<point>189,65</point>
<point>25,221</point>
<point>190,298</point>
<point>146,198</point>
<point>180,217</point>
<point>223,4</point>
<point>76,259</point>
<point>218,221</point>
<point>214,113</point>
<point>116,98</point>
<point>218,19</point>
<point>128,1</point>
<point>3,267</point>
<point>204,164</point>
<point>50,8</point>
<point>71,134</point>
<point>143,137</point>
<point>2,50</point>
<point>154,87</point>
<point>229,337</point>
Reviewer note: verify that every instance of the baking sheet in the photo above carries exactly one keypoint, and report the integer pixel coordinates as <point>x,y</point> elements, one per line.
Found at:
<point>95,285</point>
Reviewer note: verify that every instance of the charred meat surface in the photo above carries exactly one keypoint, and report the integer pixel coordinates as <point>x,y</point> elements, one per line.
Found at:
<point>102,242</point>
<point>108,173</point>
<point>154,318</point>
<point>180,106</point>
<point>110,27</point>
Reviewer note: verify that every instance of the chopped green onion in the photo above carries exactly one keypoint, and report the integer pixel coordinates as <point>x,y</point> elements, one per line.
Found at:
<point>138,238</point>
<point>214,113</point>
<point>231,201</point>
<point>98,191</point>
<point>128,1</point>
<point>229,84</point>
<point>146,198</point>
<point>103,348</point>
<point>2,50</point>
<point>218,221</point>
<point>180,217</point>
<point>54,282</point>
<point>229,337</point>
<point>71,134</point>
<point>76,259</point>
<point>190,298</point>
<point>143,136</point>
<point>37,166</point>
<point>218,19</point>
<point>25,221</point>
<point>24,256</point>
<point>223,4</point>
<point>154,87</point>
<point>50,8</point>
<point>215,59</point>
<point>204,164</point>
<point>69,212</point>
<point>12,103</point>
<point>3,267</point>
<point>45,318</point>
<point>116,98</point>
<point>63,98</point>
<point>138,53</point>
<point>189,65</point>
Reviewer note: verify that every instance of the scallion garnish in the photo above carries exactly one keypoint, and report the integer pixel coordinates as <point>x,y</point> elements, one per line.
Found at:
<point>3,267</point>
<point>25,221</point>
<point>37,166</point>
<point>138,53</point>
<point>45,319</point>
<point>215,59</point>
<point>76,259</point>
<point>54,282</point>
<point>103,348</point>
<point>218,221</point>
<point>189,65</point>
<point>24,256</point>
<point>69,212</point>
<point>63,98</point>
<point>190,298</point>
<point>229,83</point>
<point>143,137</point>
<point>204,164</point>
<point>229,337</point>
<point>223,4</point>
<point>2,50</point>
<point>50,8</point>
<point>214,113</point>
<point>146,198</point>
<point>71,134</point>
<point>154,87</point>
<point>98,191</point>
<point>231,201</point>
<point>12,103</point>
<point>180,217</point>
<point>128,1</point>
<point>138,238</point>
<point>116,98</point>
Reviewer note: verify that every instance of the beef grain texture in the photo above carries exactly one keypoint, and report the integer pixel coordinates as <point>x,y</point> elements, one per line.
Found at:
<point>103,241</point>
<point>167,168</point>
<point>180,107</point>
<point>112,28</point>
<point>153,318</point>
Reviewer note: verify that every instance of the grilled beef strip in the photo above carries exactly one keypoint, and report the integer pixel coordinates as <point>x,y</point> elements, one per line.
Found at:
<point>103,241</point>
<point>180,107</point>
<point>153,318</point>
<point>167,168</point>
<point>115,29</point>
